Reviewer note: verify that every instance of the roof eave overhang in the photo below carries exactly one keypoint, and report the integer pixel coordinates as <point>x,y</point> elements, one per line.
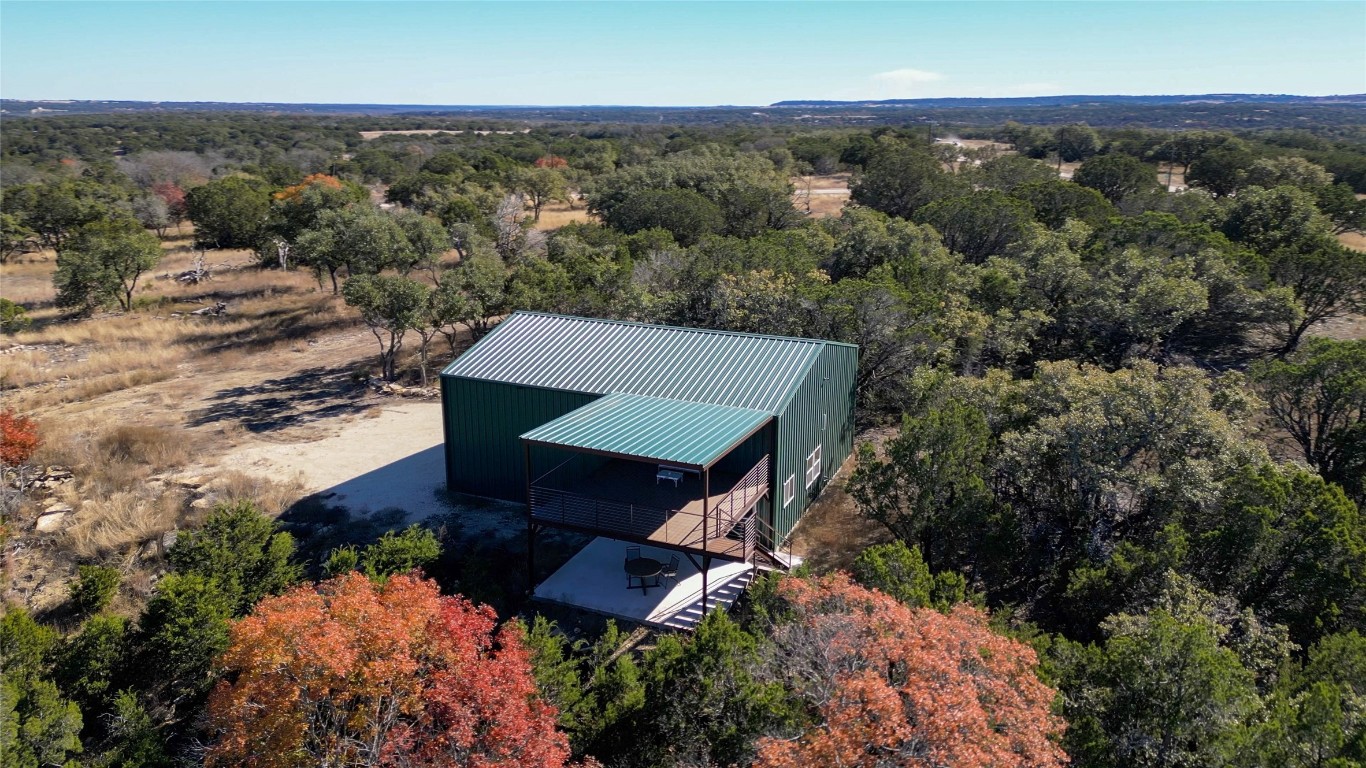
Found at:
<point>616,455</point>
<point>699,467</point>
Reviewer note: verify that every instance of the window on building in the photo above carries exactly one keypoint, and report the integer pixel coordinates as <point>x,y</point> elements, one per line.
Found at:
<point>789,489</point>
<point>813,467</point>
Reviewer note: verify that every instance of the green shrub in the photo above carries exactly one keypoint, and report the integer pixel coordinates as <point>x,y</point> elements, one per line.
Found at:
<point>13,317</point>
<point>901,572</point>
<point>94,589</point>
<point>242,551</point>
<point>87,663</point>
<point>394,553</point>
<point>341,560</point>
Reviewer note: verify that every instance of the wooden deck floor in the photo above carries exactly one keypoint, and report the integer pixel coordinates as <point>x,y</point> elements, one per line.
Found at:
<point>624,497</point>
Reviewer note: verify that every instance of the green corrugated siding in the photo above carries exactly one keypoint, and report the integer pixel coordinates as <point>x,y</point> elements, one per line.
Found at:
<point>743,458</point>
<point>655,428</point>
<point>820,413</point>
<point>483,420</point>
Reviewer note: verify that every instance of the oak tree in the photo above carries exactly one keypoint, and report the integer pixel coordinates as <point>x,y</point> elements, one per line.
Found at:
<point>928,487</point>
<point>390,306</point>
<point>1116,176</point>
<point>1318,396</point>
<point>102,263</point>
<point>229,213</point>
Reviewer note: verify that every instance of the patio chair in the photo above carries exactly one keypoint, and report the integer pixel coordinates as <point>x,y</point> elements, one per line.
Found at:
<point>670,572</point>
<point>632,553</point>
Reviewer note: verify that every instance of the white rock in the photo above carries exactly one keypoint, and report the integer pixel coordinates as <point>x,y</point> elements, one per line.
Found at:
<point>49,522</point>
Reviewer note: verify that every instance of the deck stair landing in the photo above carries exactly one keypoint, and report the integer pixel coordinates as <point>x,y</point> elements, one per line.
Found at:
<point>593,580</point>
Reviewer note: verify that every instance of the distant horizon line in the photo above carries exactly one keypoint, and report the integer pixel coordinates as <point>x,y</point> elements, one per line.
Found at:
<point>779,103</point>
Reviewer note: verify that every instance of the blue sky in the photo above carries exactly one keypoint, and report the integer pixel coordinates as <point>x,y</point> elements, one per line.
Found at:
<point>678,53</point>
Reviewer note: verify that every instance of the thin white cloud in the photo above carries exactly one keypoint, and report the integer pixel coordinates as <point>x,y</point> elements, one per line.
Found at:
<point>907,77</point>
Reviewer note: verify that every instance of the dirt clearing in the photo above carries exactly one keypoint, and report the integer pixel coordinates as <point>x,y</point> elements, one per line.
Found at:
<point>388,457</point>
<point>821,196</point>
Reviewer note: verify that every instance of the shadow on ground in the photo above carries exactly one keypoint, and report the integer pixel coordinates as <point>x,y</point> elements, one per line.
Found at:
<point>483,541</point>
<point>411,484</point>
<point>310,395</point>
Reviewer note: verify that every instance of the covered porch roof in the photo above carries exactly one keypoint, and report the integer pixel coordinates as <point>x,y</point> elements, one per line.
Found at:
<point>675,432</point>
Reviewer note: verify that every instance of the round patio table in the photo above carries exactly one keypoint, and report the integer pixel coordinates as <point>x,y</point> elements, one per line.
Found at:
<point>643,568</point>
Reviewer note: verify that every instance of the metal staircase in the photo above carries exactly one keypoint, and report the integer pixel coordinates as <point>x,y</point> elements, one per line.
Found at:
<point>756,534</point>
<point>723,595</point>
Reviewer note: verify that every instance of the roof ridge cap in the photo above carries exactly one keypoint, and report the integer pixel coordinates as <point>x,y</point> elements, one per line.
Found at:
<point>665,327</point>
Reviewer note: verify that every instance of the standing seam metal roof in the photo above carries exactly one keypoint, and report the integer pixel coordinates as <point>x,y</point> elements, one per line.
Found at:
<point>655,428</point>
<point>609,356</point>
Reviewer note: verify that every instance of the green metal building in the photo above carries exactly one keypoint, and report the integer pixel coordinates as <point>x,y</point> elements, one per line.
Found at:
<point>706,442</point>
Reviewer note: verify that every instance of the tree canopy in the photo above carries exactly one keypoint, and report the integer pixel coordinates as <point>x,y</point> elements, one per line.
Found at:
<point>887,684</point>
<point>347,671</point>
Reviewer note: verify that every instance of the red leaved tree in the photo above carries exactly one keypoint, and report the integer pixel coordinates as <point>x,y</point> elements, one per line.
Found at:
<point>891,685</point>
<point>174,197</point>
<point>350,673</point>
<point>18,438</point>
<point>551,161</point>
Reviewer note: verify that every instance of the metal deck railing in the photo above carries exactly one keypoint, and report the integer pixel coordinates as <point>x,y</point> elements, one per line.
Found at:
<point>679,527</point>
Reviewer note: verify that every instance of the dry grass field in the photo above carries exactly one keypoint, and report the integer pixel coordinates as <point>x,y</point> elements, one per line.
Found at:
<point>143,406</point>
<point>372,135</point>
<point>557,214</point>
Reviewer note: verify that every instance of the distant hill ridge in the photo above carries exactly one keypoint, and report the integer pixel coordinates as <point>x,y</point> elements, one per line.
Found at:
<point>1219,111</point>
<point>78,106</point>
<point>1064,101</point>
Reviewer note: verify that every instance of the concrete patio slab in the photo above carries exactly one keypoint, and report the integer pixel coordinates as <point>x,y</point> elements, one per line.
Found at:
<point>594,580</point>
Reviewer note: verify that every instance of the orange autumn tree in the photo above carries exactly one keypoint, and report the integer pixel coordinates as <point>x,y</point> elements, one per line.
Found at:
<point>350,673</point>
<point>890,685</point>
<point>321,179</point>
